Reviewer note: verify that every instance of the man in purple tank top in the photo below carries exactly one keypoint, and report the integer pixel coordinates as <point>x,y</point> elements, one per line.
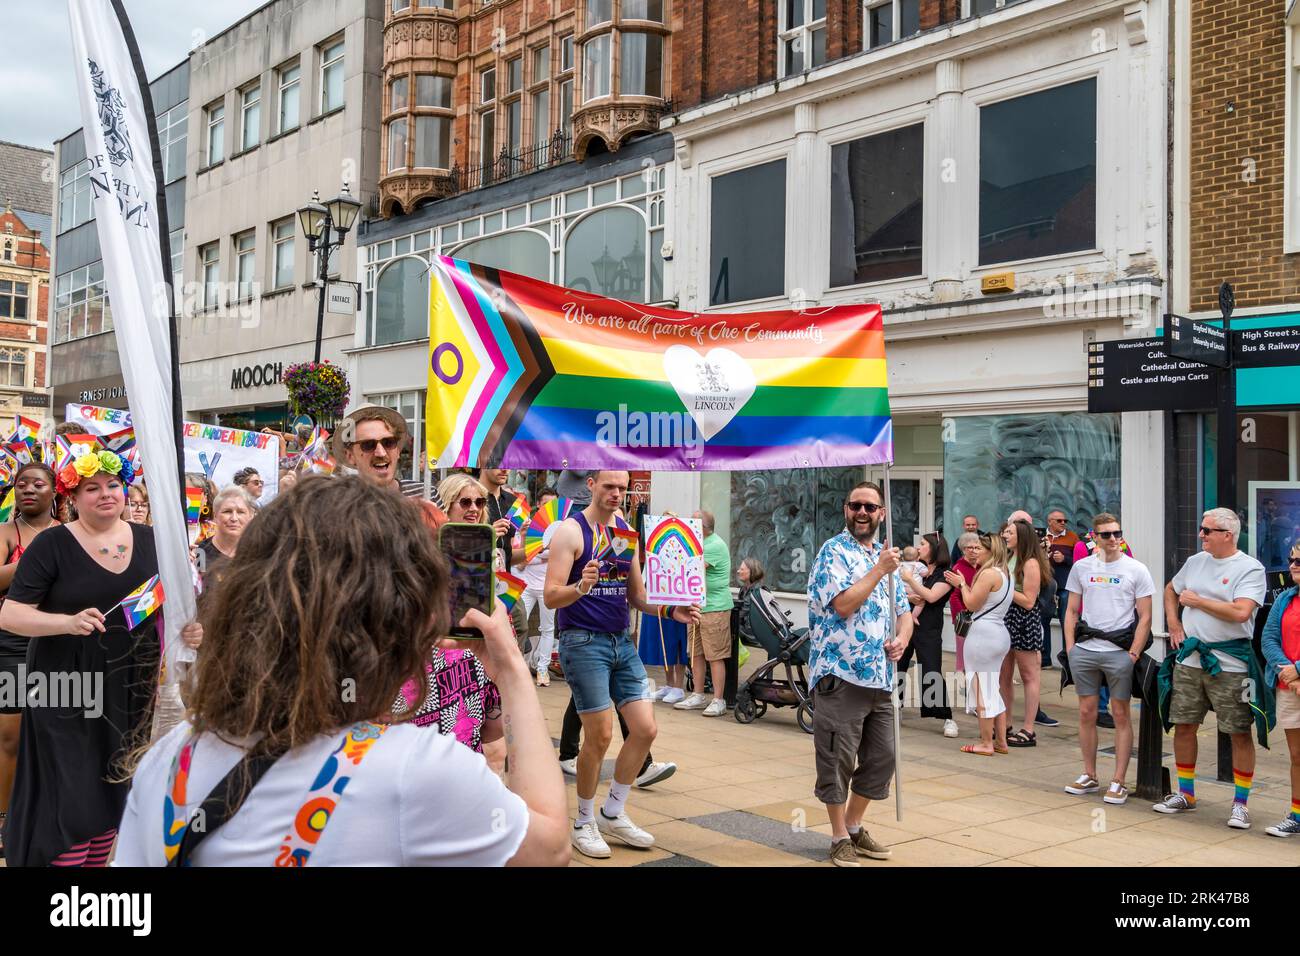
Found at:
<point>592,598</point>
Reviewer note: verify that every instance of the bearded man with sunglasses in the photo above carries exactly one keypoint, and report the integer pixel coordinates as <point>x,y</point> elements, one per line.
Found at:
<point>1210,607</point>
<point>1116,591</point>
<point>851,670</point>
<point>370,440</point>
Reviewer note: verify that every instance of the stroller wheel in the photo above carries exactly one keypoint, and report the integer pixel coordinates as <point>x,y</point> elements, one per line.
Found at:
<point>805,718</point>
<point>745,710</point>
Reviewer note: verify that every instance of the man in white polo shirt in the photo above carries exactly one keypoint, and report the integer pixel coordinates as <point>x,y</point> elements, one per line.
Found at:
<point>1107,626</point>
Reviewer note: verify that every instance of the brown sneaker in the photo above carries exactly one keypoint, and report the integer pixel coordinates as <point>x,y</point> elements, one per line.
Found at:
<point>843,854</point>
<point>865,846</point>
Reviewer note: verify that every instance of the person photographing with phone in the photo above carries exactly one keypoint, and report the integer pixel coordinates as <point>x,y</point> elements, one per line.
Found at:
<point>592,598</point>
<point>851,670</point>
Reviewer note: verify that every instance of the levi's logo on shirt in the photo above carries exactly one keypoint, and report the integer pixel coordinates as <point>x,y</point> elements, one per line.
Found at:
<point>1103,579</point>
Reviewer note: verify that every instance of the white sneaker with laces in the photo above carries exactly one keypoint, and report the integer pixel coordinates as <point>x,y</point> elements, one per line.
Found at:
<point>622,828</point>
<point>570,766</point>
<point>950,728</point>
<point>694,702</point>
<point>661,693</point>
<point>589,842</point>
<point>1240,819</point>
<point>1174,803</point>
<point>674,695</point>
<point>1287,828</point>
<point>716,709</point>
<point>658,771</point>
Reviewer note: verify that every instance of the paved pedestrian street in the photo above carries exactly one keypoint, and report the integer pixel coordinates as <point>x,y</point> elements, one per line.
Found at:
<point>742,796</point>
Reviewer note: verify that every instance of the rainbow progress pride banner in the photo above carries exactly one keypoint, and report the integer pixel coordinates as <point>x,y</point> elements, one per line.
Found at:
<point>524,374</point>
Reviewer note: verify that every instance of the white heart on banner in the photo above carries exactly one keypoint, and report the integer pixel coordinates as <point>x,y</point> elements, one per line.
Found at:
<point>713,387</point>
<point>619,545</point>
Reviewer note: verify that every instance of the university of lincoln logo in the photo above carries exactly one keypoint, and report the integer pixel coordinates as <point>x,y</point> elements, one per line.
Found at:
<point>711,378</point>
<point>112,117</point>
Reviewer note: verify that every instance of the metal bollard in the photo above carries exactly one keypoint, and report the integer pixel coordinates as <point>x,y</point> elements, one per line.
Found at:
<point>1152,775</point>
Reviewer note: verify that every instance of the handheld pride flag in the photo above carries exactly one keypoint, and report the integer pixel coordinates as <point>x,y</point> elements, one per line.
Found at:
<point>518,512</point>
<point>509,589</point>
<point>622,544</point>
<point>193,505</point>
<point>7,506</point>
<point>524,374</point>
<point>142,602</point>
<point>536,538</point>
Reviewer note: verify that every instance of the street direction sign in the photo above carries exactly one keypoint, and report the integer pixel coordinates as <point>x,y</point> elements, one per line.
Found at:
<point>1137,375</point>
<point>1266,348</point>
<point>1196,341</point>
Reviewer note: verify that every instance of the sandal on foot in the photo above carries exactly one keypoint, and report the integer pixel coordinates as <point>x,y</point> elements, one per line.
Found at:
<point>1022,738</point>
<point>1000,750</point>
<point>970,749</point>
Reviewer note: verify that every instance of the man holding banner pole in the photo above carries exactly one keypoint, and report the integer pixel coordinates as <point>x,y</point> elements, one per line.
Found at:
<point>860,623</point>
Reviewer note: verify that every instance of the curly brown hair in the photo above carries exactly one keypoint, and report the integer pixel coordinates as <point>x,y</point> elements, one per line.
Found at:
<point>331,604</point>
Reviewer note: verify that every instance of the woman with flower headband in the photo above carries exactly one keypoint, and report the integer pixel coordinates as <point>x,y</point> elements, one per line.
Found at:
<point>65,599</point>
<point>33,514</point>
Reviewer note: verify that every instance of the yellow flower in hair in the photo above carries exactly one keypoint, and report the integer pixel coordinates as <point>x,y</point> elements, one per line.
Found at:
<point>87,465</point>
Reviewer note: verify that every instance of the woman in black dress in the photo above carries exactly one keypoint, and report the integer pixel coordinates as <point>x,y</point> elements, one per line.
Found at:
<point>66,804</point>
<point>927,639</point>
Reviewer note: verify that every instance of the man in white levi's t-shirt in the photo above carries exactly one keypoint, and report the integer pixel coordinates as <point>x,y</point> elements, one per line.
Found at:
<point>1213,601</point>
<point>1109,607</point>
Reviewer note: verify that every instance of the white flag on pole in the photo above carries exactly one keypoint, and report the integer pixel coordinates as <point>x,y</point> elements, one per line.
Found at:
<point>125,196</point>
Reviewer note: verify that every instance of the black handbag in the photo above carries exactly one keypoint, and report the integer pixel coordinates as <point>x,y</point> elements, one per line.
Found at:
<point>962,622</point>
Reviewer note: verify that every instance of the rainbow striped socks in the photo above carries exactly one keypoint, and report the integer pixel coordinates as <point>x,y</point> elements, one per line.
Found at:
<point>1243,781</point>
<point>1295,808</point>
<point>1187,781</point>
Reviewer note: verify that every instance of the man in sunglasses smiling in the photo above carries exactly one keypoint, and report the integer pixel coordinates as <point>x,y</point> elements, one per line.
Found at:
<point>851,671</point>
<point>1210,607</point>
<point>370,440</point>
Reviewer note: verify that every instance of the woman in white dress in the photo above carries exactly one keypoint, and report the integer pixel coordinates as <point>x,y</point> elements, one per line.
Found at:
<point>987,643</point>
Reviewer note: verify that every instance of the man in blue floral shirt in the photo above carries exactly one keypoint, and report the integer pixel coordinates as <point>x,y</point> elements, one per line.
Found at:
<point>851,671</point>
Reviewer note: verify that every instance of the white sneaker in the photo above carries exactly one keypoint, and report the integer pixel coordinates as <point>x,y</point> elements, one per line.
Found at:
<point>950,728</point>
<point>1287,828</point>
<point>570,766</point>
<point>716,709</point>
<point>674,695</point>
<point>1240,819</point>
<point>1173,803</point>
<point>694,702</point>
<point>589,842</point>
<point>621,828</point>
<point>661,693</point>
<point>658,771</point>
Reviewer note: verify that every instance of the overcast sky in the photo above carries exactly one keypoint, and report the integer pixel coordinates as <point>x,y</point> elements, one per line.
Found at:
<point>38,96</point>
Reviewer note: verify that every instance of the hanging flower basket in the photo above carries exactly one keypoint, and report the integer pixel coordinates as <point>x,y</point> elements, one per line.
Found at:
<point>318,389</point>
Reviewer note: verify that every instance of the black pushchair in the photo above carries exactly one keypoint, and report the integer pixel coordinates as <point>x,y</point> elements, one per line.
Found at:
<point>765,624</point>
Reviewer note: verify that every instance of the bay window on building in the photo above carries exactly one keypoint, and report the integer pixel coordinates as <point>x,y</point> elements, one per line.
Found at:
<point>801,26</point>
<point>747,238</point>
<point>877,186</point>
<point>1038,174</point>
<point>604,238</point>
<point>635,32</point>
<point>397,144</point>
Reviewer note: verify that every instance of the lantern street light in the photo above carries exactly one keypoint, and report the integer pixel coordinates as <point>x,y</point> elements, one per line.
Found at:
<point>326,227</point>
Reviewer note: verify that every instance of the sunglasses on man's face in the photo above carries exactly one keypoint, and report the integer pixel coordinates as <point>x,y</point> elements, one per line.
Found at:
<point>467,503</point>
<point>1209,531</point>
<point>867,506</point>
<point>1110,534</point>
<point>369,445</point>
<point>1295,562</point>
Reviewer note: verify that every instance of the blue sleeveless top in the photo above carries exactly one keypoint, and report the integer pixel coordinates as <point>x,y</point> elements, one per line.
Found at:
<point>604,609</point>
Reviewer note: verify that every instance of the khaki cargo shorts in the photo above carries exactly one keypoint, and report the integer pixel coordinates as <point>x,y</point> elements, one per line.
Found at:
<point>1227,693</point>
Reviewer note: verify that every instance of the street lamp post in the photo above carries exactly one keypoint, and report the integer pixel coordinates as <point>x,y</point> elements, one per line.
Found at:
<point>320,224</point>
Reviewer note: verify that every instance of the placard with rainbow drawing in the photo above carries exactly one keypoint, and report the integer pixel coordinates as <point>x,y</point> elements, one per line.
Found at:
<point>674,560</point>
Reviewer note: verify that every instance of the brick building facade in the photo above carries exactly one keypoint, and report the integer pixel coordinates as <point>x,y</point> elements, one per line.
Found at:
<point>26,204</point>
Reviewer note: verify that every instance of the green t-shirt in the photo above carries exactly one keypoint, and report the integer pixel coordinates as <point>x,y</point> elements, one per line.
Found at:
<point>717,574</point>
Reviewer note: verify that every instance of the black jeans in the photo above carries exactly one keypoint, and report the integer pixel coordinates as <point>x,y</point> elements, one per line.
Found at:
<point>571,736</point>
<point>928,645</point>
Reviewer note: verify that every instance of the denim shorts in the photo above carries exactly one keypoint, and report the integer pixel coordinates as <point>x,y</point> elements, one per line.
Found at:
<point>600,667</point>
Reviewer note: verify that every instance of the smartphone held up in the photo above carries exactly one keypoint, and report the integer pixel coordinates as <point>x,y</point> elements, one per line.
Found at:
<point>469,550</point>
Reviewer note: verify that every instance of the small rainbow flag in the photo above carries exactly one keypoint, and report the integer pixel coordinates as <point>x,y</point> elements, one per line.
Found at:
<point>193,505</point>
<point>601,547</point>
<point>315,457</point>
<point>524,374</point>
<point>7,506</point>
<point>622,544</point>
<point>509,589</point>
<point>142,602</point>
<point>518,512</point>
<point>554,511</point>
<point>25,430</point>
<point>669,529</point>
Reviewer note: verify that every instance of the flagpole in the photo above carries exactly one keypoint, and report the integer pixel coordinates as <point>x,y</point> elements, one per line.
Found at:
<point>164,235</point>
<point>893,636</point>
